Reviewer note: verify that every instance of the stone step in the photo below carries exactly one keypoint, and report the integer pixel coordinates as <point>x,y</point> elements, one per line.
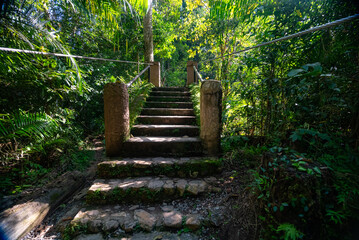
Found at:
<point>169,99</point>
<point>170,93</point>
<point>162,146</point>
<point>133,218</point>
<point>171,167</point>
<point>168,104</point>
<point>168,111</point>
<point>167,120</point>
<point>145,190</point>
<point>140,236</point>
<point>165,130</point>
<point>175,89</point>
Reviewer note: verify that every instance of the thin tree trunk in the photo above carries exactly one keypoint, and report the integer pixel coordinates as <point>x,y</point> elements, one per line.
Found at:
<point>148,35</point>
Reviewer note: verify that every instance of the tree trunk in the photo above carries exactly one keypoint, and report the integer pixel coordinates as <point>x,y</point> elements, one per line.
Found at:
<point>147,34</point>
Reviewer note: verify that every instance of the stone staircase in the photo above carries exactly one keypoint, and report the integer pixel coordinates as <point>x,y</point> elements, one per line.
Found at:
<point>166,126</point>
<point>163,161</point>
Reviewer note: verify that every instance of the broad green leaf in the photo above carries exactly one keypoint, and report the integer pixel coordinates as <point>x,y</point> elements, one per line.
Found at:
<point>295,72</point>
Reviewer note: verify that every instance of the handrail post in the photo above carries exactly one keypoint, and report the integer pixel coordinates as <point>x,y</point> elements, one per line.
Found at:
<point>191,75</point>
<point>117,117</point>
<point>211,116</point>
<point>155,74</point>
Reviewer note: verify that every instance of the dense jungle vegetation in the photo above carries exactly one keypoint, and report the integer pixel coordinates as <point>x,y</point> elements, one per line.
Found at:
<point>290,109</point>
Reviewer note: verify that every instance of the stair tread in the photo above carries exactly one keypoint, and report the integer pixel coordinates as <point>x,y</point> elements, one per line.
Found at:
<point>159,91</point>
<point>169,94</point>
<point>190,167</point>
<point>169,88</point>
<point>128,217</point>
<point>172,92</point>
<point>146,236</point>
<point>105,184</point>
<point>167,116</point>
<point>161,130</point>
<point>167,109</point>
<point>146,189</point>
<point>185,105</point>
<point>167,120</point>
<point>175,98</point>
<point>169,102</point>
<point>180,97</point>
<point>164,126</point>
<point>162,139</point>
<point>154,160</point>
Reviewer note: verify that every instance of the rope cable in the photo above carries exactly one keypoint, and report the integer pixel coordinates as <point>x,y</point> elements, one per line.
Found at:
<point>320,27</point>
<point>66,55</point>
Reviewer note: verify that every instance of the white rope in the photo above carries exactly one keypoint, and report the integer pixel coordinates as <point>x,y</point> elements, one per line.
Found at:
<point>327,25</point>
<point>198,74</point>
<point>66,55</point>
<point>138,75</point>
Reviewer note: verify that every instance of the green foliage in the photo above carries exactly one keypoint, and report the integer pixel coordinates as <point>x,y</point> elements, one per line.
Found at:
<point>25,175</point>
<point>28,125</point>
<point>24,133</point>
<point>73,230</point>
<point>290,187</point>
<point>289,231</point>
<point>138,93</point>
<point>79,161</point>
<point>195,97</point>
<point>299,99</point>
<point>292,106</point>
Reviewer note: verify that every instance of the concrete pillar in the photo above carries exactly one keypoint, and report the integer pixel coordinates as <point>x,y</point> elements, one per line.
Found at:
<point>117,117</point>
<point>155,74</point>
<point>191,75</point>
<point>211,116</point>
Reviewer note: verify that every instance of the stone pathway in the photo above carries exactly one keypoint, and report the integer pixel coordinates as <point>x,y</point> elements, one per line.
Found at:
<point>133,197</point>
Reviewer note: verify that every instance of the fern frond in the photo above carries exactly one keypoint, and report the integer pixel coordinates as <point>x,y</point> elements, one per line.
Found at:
<point>290,232</point>
<point>30,125</point>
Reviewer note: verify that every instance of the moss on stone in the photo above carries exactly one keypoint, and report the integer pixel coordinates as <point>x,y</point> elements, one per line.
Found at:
<point>203,167</point>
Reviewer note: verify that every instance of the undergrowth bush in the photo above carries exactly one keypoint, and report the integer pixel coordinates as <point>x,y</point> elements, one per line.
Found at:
<point>195,90</point>
<point>300,195</point>
<point>138,93</point>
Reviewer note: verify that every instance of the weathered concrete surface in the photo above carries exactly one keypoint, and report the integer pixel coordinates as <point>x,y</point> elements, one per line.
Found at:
<point>117,117</point>
<point>163,146</point>
<point>166,104</point>
<point>166,120</point>
<point>191,75</point>
<point>109,219</point>
<point>145,189</point>
<point>169,98</point>
<point>165,130</point>
<point>172,167</point>
<point>167,111</point>
<point>155,74</point>
<point>175,89</point>
<point>170,93</point>
<point>211,116</point>
<point>144,236</point>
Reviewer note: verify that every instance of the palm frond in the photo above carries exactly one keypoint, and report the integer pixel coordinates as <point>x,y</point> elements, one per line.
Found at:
<point>34,126</point>
<point>28,24</point>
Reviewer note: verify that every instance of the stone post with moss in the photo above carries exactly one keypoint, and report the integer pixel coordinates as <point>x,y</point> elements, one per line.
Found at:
<point>155,74</point>
<point>117,117</point>
<point>211,116</point>
<point>191,75</point>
